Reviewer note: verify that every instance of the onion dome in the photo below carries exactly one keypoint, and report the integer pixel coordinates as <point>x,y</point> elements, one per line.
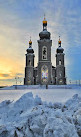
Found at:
<point>59,42</point>
<point>59,49</point>
<point>30,50</point>
<point>44,22</point>
<point>30,42</point>
<point>44,34</point>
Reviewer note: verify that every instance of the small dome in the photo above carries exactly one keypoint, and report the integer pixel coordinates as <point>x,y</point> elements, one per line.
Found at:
<point>59,50</point>
<point>30,50</point>
<point>44,34</point>
<point>45,21</point>
<point>59,42</point>
<point>30,42</point>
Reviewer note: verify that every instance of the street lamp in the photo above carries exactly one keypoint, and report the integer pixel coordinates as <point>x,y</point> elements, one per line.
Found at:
<point>66,80</point>
<point>16,78</point>
<point>70,81</point>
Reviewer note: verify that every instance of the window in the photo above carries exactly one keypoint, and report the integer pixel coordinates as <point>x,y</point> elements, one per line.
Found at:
<point>29,62</point>
<point>60,73</point>
<point>60,81</point>
<point>60,62</point>
<point>44,74</point>
<point>44,53</point>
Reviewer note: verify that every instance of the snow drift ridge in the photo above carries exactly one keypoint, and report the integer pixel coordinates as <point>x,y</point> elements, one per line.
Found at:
<point>30,117</point>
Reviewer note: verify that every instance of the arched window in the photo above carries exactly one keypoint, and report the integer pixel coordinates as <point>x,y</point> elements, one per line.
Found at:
<point>29,62</point>
<point>44,53</point>
<point>44,74</point>
<point>60,62</point>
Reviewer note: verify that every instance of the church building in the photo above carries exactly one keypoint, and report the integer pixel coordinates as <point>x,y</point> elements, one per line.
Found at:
<point>45,73</point>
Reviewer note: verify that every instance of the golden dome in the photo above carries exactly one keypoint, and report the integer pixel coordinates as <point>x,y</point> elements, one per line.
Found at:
<point>44,21</point>
<point>30,42</point>
<point>59,42</point>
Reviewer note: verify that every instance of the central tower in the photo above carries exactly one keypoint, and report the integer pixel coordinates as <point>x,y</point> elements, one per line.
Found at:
<point>44,56</point>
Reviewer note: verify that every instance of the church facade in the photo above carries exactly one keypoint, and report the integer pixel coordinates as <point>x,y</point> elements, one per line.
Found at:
<point>45,73</point>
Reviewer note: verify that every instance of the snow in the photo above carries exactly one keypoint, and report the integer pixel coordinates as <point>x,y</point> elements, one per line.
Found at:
<point>52,94</point>
<point>22,87</point>
<point>41,113</point>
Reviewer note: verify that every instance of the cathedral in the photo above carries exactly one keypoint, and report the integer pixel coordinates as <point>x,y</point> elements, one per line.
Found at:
<point>45,73</point>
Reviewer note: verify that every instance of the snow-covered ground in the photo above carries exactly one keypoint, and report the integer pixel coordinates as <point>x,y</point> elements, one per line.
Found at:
<point>52,94</point>
<point>42,112</point>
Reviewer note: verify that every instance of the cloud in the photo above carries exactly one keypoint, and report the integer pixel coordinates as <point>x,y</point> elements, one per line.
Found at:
<point>4,75</point>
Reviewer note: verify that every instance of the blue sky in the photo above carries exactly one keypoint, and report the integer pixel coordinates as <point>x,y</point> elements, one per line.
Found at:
<point>20,19</point>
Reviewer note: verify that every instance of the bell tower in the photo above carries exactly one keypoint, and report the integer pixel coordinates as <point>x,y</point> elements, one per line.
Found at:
<point>29,69</point>
<point>44,56</point>
<point>60,68</point>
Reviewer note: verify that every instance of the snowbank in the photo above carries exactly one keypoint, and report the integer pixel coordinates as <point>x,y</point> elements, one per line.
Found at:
<point>31,117</point>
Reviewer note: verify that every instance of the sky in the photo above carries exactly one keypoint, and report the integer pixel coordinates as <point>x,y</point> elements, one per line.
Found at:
<point>20,19</point>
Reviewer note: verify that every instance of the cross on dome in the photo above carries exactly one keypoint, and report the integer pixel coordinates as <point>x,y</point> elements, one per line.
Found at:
<point>30,42</point>
<point>44,23</point>
<point>59,42</point>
